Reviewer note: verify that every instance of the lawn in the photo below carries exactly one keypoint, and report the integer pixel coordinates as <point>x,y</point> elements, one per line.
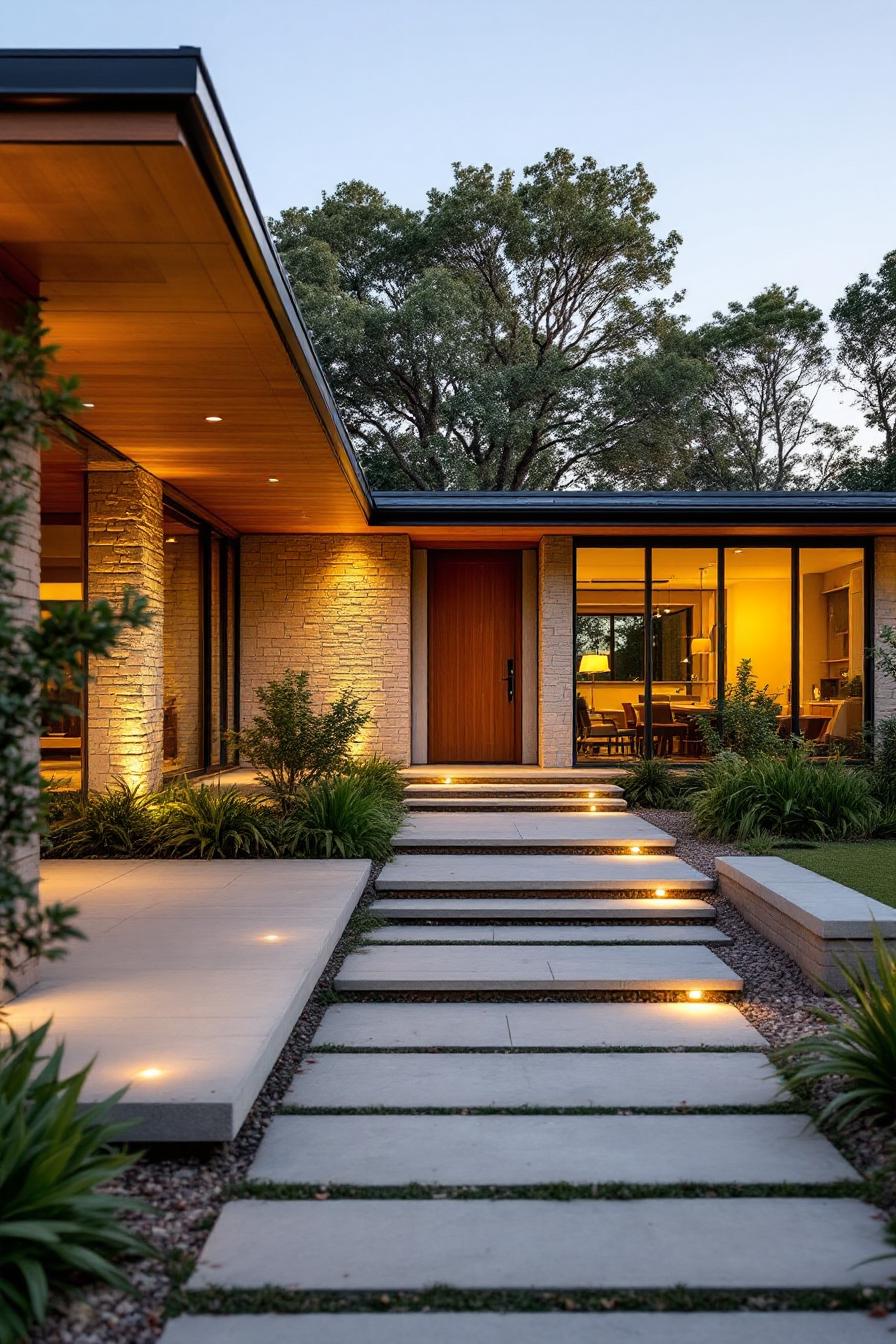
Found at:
<point>869,865</point>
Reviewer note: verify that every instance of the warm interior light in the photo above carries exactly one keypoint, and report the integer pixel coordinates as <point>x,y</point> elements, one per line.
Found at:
<point>214,419</point>
<point>151,1072</point>
<point>695,994</point>
<point>595,662</point>
<point>634,849</point>
<point>270,937</point>
<point>701,644</point>
<point>660,891</point>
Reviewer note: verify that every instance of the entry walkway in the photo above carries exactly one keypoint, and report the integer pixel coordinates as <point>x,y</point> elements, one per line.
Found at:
<point>470,1117</point>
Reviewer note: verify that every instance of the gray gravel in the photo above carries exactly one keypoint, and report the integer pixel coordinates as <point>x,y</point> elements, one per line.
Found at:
<point>187,1191</point>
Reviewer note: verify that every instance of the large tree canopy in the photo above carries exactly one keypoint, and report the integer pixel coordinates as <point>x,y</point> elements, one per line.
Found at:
<point>506,337</point>
<point>865,322</point>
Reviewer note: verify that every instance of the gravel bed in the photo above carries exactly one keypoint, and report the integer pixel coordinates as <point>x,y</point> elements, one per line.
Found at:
<point>185,1191</point>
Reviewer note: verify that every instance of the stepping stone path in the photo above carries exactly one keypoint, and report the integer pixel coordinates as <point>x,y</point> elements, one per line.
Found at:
<point>628,1065</point>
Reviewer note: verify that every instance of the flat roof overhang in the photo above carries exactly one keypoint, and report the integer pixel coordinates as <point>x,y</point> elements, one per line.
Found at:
<point>525,515</point>
<point>124,206</point>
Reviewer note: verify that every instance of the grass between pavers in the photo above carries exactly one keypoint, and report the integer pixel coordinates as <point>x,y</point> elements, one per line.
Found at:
<point>441,1297</point>
<point>867,865</point>
<point>561,1191</point>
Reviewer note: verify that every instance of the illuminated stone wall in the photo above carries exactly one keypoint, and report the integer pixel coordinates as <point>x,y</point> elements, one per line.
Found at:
<point>338,607</point>
<point>884,614</point>
<point>183,648</point>
<point>555,598</point>
<point>125,548</point>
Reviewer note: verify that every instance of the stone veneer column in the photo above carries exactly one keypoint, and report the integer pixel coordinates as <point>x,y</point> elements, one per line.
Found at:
<point>884,614</point>
<point>124,699</point>
<point>338,607</point>
<point>555,654</point>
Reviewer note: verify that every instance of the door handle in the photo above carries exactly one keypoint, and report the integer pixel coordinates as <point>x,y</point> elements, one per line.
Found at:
<point>510,678</point>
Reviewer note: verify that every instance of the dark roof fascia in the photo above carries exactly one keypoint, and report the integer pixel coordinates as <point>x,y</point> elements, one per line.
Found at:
<point>179,78</point>
<point>672,509</point>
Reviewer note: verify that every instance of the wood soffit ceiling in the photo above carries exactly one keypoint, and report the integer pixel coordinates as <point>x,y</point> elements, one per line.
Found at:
<point>152,304</point>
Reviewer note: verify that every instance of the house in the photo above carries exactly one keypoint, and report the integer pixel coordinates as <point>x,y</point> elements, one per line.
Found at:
<point>209,468</point>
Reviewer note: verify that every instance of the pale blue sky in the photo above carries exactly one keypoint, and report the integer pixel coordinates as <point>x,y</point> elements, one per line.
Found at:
<point>767,125</point>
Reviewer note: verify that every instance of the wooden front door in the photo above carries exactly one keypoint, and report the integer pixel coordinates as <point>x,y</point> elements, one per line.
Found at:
<point>474,656</point>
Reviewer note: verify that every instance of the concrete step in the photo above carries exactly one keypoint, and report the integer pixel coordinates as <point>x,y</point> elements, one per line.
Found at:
<point>590,789</point>
<point>511,774</point>
<point>557,1080</point>
<point>542,969</point>
<point>385,1245</point>
<point>496,803</point>
<point>529,830</point>
<point>535,1026</point>
<point>662,934</point>
<point>534,1327</point>
<point>542,873</point>
<point>463,1150</point>
<point>583,909</point>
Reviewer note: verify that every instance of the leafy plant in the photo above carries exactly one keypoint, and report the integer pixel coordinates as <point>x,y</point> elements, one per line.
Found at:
<point>53,1221</point>
<point>859,1046</point>
<point>379,775</point>
<point>883,769</point>
<point>653,783</point>
<point>340,818</point>
<point>118,822</point>
<point>747,720</point>
<point>47,653</point>
<point>784,796</point>
<point>291,745</point>
<point>214,823</point>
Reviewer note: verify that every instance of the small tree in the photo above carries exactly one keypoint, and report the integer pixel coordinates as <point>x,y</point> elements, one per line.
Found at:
<point>746,722</point>
<point>290,745</point>
<point>34,656</point>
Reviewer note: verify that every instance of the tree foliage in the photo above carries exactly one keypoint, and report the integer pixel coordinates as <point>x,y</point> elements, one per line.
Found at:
<point>34,656</point>
<point>503,338</point>
<point>864,320</point>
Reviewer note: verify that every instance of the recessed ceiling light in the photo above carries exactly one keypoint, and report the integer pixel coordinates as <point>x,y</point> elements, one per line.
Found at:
<point>214,419</point>
<point>740,551</point>
<point>169,541</point>
<point>273,480</point>
<point>88,405</point>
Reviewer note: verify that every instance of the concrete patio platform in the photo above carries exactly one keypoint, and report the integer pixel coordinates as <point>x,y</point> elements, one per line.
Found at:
<point>556,1026</point>
<point>526,908</point>
<point>381,1245</point>
<point>529,830</point>
<point>535,1327</point>
<point>190,981</point>
<point>548,933</point>
<point>544,969</point>
<point>456,1150</point>
<point>540,872</point>
<point>555,1080</point>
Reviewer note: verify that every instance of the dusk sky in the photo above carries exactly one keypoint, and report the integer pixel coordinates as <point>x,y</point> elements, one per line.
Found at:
<point>767,125</point>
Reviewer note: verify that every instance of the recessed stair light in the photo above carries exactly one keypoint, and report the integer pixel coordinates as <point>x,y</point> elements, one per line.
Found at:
<point>634,849</point>
<point>695,995</point>
<point>660,891</point>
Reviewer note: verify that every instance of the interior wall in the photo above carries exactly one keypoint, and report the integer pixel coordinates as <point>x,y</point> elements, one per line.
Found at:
<point>757,626</point>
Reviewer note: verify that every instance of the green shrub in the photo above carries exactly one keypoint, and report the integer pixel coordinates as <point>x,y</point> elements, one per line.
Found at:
<point>883,769</point>
<point>214,823</point>
<point>120,822</point>
<point>859,1046</point>
<point>54,1224</point>
<point>784,796</point>
<point>653,783</point>
<point>747,720</point>
<point>290,745</point>
<point>379,775</point>
<point>340,818</point>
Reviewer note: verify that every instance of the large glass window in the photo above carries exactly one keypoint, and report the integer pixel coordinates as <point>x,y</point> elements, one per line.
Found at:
<point>649,667</point>
<point>62,581</point>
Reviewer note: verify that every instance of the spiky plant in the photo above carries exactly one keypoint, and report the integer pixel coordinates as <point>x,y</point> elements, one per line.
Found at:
<point>214,823</point>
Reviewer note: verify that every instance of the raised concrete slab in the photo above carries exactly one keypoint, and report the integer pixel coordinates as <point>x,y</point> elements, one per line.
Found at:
<point>540,872</point>
<point>195,970</point>
<point>528,804</point>
<point>381,1245</point>
<point>558,1026</point>
<point>509,774</point>
<point>377,1150</point>
<point>535,1327</point>
<point>528,830</point>
<point>412,1081</point>
<point>584,909</point>
<point>817,922</point>
<point>558,969</point>
<point>549,933</point>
